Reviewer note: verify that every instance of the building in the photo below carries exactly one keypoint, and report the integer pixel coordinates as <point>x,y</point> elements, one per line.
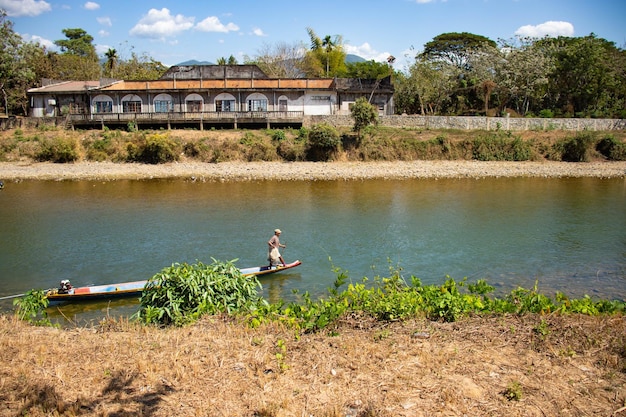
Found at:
<point>204,96</point>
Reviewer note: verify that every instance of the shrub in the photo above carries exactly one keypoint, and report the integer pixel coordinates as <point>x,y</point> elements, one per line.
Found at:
<point>58,150</point>
<point>182,293</point>
<point>324,140</point>
<point>154,149</point>
<point>364,114</point>
<point>497,148</point>
<point>576,149</point>
<point>612,149</point>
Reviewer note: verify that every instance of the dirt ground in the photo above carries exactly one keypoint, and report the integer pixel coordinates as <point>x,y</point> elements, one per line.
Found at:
<point>493,366</point>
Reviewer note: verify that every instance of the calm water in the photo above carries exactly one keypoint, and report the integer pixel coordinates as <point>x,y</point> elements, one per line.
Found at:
<point>569,234</point>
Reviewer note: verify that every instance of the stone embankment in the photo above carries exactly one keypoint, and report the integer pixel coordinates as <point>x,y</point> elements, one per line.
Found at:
<point>307,171</point>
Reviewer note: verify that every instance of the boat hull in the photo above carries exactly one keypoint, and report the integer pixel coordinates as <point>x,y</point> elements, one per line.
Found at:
<point>135,288</point>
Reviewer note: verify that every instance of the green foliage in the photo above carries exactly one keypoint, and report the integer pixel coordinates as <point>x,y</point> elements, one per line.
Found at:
<point>576,149</point>
<point>496,147</point>
<point>364,114</point>
<point>58,150</point>
<point>392,298</point>
<point>156,148</point>
<point>324,140</point>
<point>612,149</point>
<point>278,135</point>
<point>182,293</point>
<point>32,308</point>
<point>513,391</point>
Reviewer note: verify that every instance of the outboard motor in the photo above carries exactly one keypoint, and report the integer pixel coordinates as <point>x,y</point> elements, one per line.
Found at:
<point>65,286</point>
<point>1,185</point>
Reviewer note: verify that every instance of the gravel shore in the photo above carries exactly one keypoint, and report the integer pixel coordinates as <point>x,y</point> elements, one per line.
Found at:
<point>307,171</point>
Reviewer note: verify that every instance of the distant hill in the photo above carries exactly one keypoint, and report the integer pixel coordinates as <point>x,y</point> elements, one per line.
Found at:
<point>195,62</point>
<point>350,58</point>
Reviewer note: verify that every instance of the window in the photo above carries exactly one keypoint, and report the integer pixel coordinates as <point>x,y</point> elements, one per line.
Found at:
<point>257,105</point>
<point>131,106</point>
<point>224,105</point>
<point>103,106</point>
<point>282,105</point>
<point>163,106</point>
<point>194,105</point>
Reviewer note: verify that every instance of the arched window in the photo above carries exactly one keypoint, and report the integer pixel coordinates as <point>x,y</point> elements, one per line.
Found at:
<point>131,103</point>
<point>225,102</point>
<point>163,103</point>
<point>102,104</point>
<point>257,102</point>
<point>283,103</point>
<point>194,103</point>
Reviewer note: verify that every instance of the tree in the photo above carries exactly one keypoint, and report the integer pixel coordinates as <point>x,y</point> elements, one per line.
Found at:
<point>142,67</point>
<point>370,70</point>
<point>281,60</point>
<point>111,62</point>
<point>455,48</point>
<point>364,114</point>
<point>326,56</point>
<point>78,60</point>
<point>78,42</point>
<point>15,74</point>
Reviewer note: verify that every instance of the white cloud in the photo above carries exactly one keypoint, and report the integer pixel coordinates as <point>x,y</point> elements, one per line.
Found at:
<point>366,51</point>
<point>25,7</point>
<point>90,5</point>
<point>103,33</point>
<point>213,24</point>
<point>258,32</point>
<point>47,43</point>
<point>550,28</point>
<point>159,24</point>
<point>104,21</point>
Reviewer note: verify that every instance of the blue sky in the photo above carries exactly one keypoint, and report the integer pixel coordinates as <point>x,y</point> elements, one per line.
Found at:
<point>205,30</point>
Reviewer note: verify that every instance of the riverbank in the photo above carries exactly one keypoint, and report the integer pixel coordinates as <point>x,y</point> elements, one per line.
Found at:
<point>530,365</point>
<point>305,171</point>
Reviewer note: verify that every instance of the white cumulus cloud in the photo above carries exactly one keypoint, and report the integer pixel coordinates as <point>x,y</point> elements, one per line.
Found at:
<point>25,7</point>
<point>213,24</point>
<point>366,51</point>
<point>46,43</point>
<point>159,24</point>
<point>258,32</point>
<point>90,5</point>
<point>104,21</point>
<point>550,28</point>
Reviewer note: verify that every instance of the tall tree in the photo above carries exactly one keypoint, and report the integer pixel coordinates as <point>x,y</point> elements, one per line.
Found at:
<point>16,76</point>
<point>139,67</point>
<point>78,59</point>
<point>455,48</point>
<point>326,57</point>
<point>78,42</point>
<point>281,60</point>
<point>111,62</point>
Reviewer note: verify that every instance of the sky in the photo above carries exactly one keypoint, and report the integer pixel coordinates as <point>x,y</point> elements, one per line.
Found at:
<point>205,30</point>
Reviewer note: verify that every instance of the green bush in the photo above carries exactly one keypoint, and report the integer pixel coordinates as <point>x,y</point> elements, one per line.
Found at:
<point>58,150</point>
<point>576,149</point>
<point>156,148</point>
<point>495,147</point>
<point>612,149</point>
<point>182,293</point>
<point>324,141</point>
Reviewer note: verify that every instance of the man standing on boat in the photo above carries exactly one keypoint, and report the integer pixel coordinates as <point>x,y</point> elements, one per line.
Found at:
<point>274,244</point>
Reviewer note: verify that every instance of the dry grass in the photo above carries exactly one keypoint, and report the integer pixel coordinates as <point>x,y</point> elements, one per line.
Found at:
<point>575,367</point>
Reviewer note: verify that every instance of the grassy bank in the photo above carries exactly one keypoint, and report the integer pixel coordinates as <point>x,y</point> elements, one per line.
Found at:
<point>387,349</point>
<point>316,144</point>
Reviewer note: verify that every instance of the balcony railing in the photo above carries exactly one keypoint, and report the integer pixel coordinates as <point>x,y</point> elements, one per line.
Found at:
<point>227,117</point>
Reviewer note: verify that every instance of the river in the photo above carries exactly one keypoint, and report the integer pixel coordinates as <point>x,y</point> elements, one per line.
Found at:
<point>567,234</point>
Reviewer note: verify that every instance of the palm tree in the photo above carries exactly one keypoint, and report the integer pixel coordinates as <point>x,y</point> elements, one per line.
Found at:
<point>111,63</point>
<point>328,45</point>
